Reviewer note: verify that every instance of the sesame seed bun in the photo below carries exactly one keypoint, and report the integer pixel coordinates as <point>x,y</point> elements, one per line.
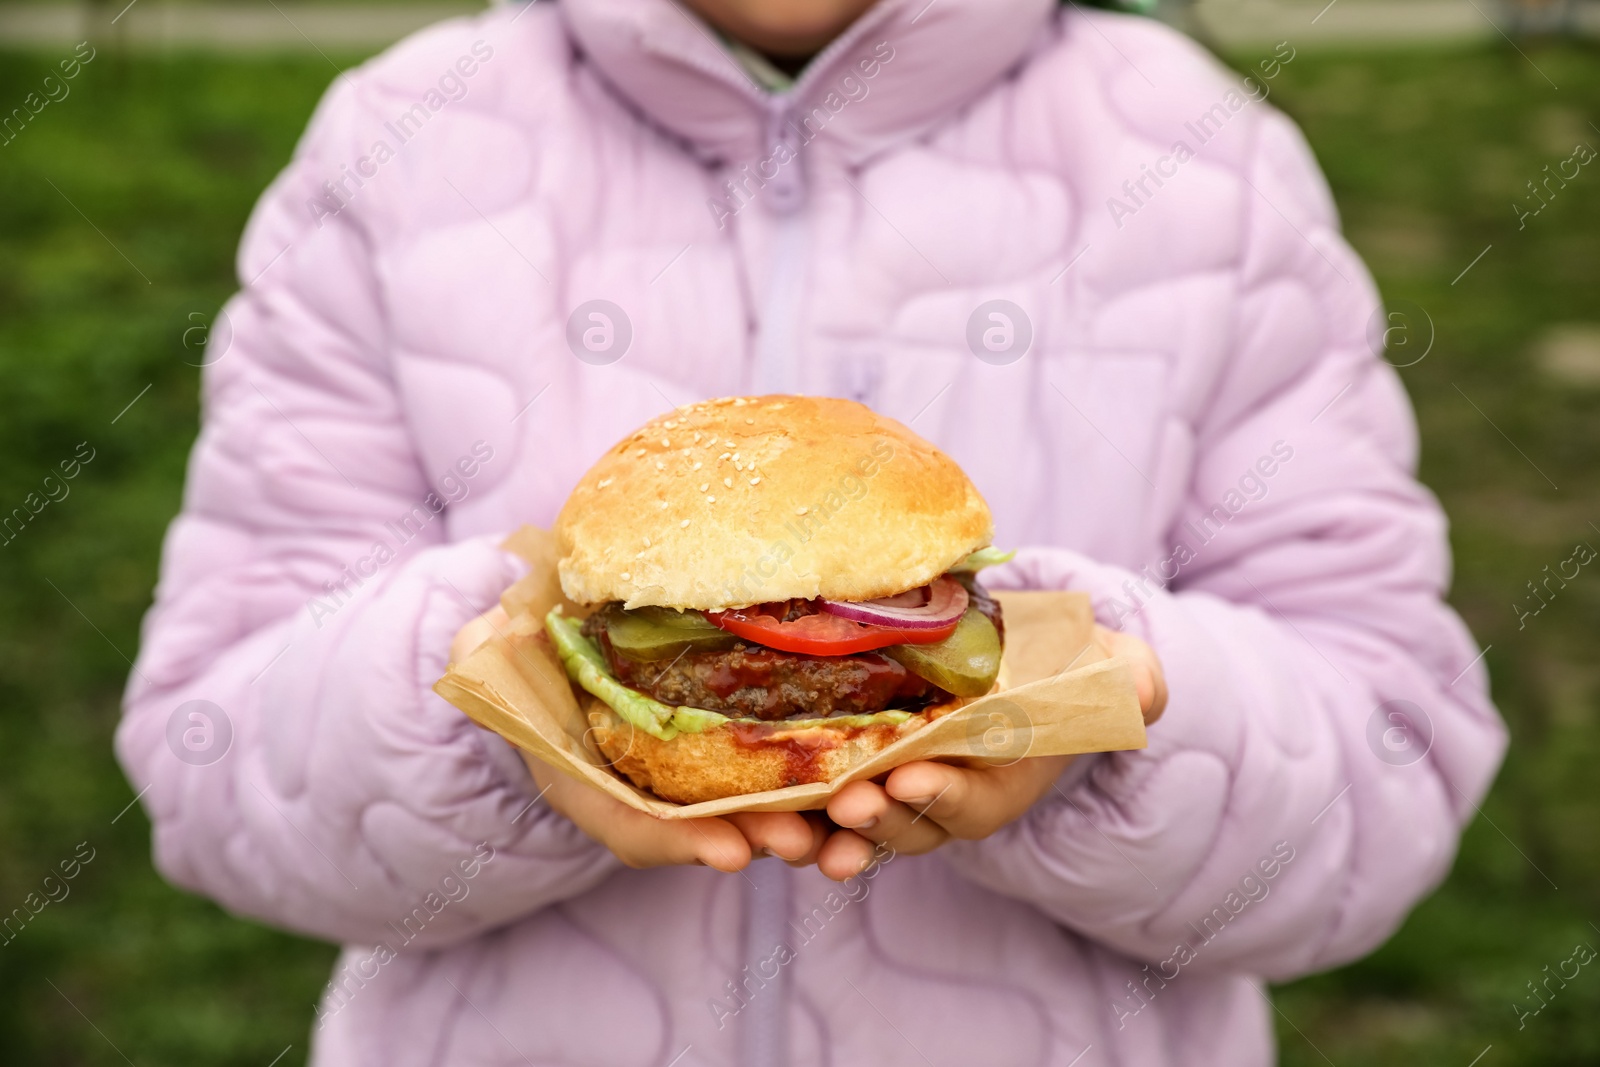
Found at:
<point>748,500</point>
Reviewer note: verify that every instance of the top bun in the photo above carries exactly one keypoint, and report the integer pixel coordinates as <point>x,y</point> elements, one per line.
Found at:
<point>747,500</point>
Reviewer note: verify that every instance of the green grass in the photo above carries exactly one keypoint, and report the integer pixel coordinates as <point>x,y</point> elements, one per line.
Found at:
<point>1426,154</point>
<point>166,159</point>
<point>163,158</point>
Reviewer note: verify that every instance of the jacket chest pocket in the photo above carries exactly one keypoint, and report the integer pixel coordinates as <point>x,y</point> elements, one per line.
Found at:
<point>1066,444</point>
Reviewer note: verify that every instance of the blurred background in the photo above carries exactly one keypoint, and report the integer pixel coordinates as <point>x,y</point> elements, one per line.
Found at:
<point>1450,130</point>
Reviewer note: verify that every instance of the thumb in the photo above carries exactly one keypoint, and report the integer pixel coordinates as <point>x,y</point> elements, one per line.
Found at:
<point>1148,677</point>
<point>477,631</point>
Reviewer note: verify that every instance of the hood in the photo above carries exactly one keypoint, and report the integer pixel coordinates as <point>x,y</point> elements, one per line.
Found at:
<point>926,59</point>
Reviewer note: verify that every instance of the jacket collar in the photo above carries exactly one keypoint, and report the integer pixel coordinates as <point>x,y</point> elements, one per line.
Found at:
<point>902,67</point>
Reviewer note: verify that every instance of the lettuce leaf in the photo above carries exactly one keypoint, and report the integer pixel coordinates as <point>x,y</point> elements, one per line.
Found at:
<point>586,666</point>
<point>984,557</point>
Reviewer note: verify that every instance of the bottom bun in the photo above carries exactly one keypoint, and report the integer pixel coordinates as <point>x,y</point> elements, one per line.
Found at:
<point>742,757</point>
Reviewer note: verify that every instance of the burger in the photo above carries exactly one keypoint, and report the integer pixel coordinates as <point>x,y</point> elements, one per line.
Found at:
<point>774,589</point>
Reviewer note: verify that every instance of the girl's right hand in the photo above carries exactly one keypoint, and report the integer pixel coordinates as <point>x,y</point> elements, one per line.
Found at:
<point>639,840</point>
<point>728,843</point>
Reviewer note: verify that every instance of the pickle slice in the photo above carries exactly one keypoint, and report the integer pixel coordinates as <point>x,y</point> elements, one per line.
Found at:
<point>966,663</point>
<point>662,633</point>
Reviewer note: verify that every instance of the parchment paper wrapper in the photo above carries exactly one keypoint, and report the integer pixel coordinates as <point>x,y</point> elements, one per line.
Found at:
<point>1060,696</point>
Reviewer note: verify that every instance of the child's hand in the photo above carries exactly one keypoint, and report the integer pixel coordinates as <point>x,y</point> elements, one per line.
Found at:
<point>640,840</point>
<point>922,805</point>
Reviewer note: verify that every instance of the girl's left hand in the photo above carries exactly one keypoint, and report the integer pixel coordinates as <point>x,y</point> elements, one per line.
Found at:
<point>640,840</point>
<point>922,805</point>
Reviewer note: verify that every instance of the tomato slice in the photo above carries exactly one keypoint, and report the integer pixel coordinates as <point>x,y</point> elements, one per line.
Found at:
<point>820,634</point>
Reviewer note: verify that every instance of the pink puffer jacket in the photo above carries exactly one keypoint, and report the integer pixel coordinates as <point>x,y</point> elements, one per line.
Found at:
<point>1068,248</point>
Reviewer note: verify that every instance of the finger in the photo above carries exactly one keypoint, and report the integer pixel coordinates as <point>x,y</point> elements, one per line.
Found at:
<point>846,854</point>
<point>868,810</point>
<point>637,839</point>
<point>641,840</point>
<point>785,834</point>
<point>972,803</point>
<point>1157,704</point>
<point>476,632</point>
<point>940,793</point>
<point>718,844</point>
<point>821,827</point>
<point>1148,677</point>
<point>858,804</point>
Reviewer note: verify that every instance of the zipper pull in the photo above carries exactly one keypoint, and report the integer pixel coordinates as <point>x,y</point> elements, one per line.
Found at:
<point>785,191</point>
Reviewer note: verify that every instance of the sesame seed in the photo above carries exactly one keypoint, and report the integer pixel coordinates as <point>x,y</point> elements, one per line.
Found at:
<point>662,504</point>
<point>646,543</point>
<point>800,511</point>
<point>726,455</point>
<point>666,442</point>
<point>602,483</point>
<point>728,482</point>
<point>697,465</point>
<point>755,481</point>
<point>711,500</point>
<point>697,438</point>
<point>749,422</point>
<point>626,576</point>
<point>684,523</point>
<point>736,455</point>
<point>660,466</point>
<point>704,486</point>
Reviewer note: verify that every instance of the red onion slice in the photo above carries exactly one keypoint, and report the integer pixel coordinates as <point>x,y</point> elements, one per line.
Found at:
<point>936,605</point>
<point>911,598</point>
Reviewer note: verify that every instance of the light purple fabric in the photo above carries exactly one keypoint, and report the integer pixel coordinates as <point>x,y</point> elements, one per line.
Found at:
<point>1198,375</point>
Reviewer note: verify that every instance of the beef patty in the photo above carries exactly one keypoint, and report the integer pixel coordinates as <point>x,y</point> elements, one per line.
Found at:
<point>751,681</point>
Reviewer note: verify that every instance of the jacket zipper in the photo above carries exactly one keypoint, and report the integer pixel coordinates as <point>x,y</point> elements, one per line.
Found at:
<point>785,197</point>
<point>778,324</point>
<point>764,1037</point>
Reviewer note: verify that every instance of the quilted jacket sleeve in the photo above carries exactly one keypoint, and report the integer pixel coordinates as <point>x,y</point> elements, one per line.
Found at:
<point>308,596</point>
<point>1329,730</point>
